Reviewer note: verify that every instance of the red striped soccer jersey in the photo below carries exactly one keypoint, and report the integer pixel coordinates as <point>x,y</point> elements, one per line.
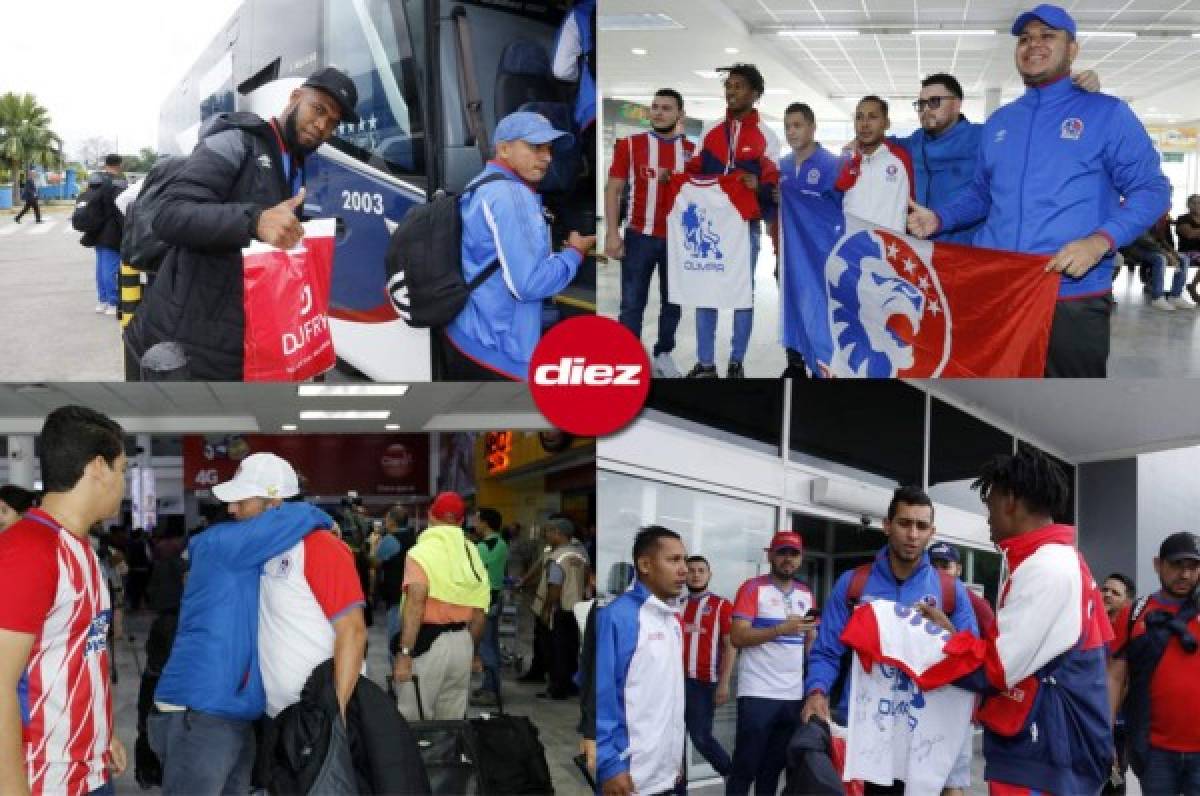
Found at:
<point>707,620</point>
<point>639,159</point>
<point>53,589</point>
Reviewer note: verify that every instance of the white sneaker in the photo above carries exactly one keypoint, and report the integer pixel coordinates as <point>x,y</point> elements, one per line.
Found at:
<point>100,308</point>
<point>110,310</point>
<point>1161,303</point>
<point>1181,303</point>
<point>664,367</point>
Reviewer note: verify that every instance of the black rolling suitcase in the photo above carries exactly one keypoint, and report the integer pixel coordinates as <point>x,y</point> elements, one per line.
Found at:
<point>450,754</point>
<point>513,757</point>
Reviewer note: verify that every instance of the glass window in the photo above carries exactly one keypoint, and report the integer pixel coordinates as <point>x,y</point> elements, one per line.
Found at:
<point>371,40</point>
<point>873,429</point>
<point>958,445</point>
<point>752,409</point>
<point>986,572</point>
<point>729,532</point>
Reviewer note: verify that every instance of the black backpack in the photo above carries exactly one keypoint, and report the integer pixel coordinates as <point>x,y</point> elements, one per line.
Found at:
<point>140,247</point>
<point>424,262</point>
<point>90,212</point>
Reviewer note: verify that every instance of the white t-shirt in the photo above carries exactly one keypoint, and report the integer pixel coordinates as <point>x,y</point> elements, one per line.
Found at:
<point>896,730</point>
<point>774,670</point>
<point>303,591</point>
<point>708,242</point>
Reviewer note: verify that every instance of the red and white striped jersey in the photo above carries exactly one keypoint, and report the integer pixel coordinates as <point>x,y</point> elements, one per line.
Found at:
<point>639,159</point>
<point>707,620</point>
<point>52,589</point>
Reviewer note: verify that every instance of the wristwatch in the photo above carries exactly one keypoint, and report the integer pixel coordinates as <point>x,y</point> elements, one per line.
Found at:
<point>405,651</point>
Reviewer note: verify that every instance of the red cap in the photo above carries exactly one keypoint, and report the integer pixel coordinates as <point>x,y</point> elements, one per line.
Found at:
<point>784,540</point>
<point>448,503</point>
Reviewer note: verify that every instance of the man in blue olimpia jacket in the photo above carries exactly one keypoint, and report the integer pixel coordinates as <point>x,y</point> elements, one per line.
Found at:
<point>1062,172</point>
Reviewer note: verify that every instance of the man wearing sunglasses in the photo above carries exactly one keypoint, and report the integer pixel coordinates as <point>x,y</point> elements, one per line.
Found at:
<point>1064,173</point>
<point>1155,662</point>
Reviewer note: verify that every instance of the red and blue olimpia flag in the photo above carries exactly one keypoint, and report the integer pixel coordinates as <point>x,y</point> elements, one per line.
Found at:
<point>860,300</point>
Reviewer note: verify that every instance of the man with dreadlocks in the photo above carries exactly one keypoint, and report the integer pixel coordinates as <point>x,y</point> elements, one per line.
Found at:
<point>1050,637</point>
<point>741,144</point>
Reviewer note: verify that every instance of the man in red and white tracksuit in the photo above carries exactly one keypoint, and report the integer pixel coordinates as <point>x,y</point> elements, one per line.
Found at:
<point>708,657</point>
<point>645,162</point>
<point>877,180</point>
<point>740,144</point>
<point>1045,712</point>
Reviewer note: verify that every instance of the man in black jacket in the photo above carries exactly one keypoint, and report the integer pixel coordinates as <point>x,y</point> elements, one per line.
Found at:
<point>108,240</point>
<point>29,195</point>
<point>243,181</point>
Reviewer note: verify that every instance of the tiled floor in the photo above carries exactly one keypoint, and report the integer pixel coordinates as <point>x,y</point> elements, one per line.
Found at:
<point>1146,342</point>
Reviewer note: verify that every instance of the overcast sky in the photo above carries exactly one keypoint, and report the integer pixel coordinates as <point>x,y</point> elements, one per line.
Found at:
<point>104,68</point>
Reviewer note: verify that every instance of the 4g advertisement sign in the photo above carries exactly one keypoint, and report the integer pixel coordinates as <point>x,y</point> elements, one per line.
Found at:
<point>329,464</point>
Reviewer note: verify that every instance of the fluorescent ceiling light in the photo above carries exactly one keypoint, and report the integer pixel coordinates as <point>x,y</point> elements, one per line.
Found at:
<point>947,32</point>
<point>351,390</point>
<point>1196,35</point>
<point>392,427</point>
<point>1109,34</point>
<point>373,414</point>
<point>707,74</point>
<point>289,427</point>
<point>731,51</point>
<point>825,33</point>
<point>639,51</point>
<point>643,21</point>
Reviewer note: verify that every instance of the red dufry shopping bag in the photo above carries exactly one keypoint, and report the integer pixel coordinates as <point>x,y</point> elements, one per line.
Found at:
<point>287,307</point>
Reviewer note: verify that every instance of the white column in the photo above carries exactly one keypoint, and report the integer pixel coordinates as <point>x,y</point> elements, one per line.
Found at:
<point>20,460</point>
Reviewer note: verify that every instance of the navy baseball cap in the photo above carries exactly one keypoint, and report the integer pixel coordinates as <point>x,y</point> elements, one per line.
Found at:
<point>532,128</point>
<point>1180,546</point>
<point>940,551</point>
<point>340,87</point>
<point>1054,16</point>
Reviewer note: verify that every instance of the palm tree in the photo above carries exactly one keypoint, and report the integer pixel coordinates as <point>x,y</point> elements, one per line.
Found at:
<point>25,136</point>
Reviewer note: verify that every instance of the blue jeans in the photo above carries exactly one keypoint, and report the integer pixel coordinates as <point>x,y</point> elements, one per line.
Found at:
<point>106,789</point>
<point>764,727</point>
<point>743,320</point>
<point>201,753</point>
<point>1171,773</point>
<point>489,647</point>
<point>108,262</point>
<point>698,716</point>
<point>1158,272</point>
<point>642,254</point>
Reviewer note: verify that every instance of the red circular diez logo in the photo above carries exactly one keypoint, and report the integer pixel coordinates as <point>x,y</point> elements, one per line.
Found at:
<point>589,375</point>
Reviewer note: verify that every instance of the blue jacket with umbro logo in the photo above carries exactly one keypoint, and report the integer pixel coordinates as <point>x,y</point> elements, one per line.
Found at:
<point>1056,165</point>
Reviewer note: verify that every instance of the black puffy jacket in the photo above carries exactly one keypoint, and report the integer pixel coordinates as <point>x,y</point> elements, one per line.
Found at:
<point>208,214</point>
<point>110,186</point>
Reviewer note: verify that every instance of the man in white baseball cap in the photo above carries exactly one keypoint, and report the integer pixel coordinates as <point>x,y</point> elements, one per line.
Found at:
<point>311,601</point>
<point>211,690</point>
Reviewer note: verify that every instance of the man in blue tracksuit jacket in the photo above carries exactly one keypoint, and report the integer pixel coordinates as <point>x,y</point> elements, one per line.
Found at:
<point>211,689</point>
<point>1060,172</point>
<point>944,148</point>
<point>493,338</point>
<point>901,573</point>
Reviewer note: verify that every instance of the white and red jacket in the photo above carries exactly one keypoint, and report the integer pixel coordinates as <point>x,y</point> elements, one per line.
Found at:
<point>1046,715</point>
<point>741,146</point>
<point>639,159</point>
<point>877,186</point>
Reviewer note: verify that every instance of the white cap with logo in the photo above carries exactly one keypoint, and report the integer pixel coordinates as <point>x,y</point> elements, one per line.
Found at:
<point>261,475</point>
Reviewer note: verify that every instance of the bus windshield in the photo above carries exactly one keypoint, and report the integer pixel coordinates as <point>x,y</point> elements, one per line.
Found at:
<point>373,44</point>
